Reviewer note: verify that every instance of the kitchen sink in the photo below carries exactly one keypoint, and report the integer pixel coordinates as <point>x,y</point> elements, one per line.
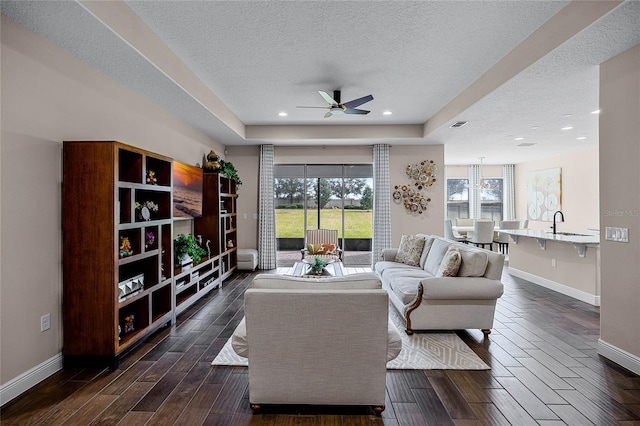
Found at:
<point>573,234</point>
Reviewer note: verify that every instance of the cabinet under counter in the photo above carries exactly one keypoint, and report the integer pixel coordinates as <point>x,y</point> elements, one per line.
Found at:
<point>568,263</point>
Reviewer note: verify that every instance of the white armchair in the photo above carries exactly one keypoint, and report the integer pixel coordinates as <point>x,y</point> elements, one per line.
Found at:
<point>317,341</point>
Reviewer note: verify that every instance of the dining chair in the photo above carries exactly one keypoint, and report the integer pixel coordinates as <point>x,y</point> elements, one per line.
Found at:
<point>503,239</point>
<point>450,235</point>
<point>482,233</point>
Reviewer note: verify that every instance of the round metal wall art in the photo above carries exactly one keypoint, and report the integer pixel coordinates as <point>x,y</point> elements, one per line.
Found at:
<point>422,175</point>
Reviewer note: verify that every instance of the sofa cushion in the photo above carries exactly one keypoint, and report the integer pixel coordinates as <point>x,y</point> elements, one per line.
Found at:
<point>240,343</point>
<point>428,241</point>
<point>434,258</point>
<point>404,282</point>
<point>410,250</point>
<point>474,262</point>
<point>450,263</point>
<point>363,281</point>
<point>383,265</point>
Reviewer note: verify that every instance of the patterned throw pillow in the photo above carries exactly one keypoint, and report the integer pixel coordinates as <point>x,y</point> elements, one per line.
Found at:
<point>315,249</point>
<point>410,250</point>
<point>329,248</point>
<point>450,263</point>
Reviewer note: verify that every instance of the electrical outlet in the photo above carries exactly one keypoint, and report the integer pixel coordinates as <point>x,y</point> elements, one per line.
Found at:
<point>45,322</point>
<point>554,263</point>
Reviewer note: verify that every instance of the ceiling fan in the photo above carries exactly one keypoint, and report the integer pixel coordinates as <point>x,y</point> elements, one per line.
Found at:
<point>336,107</point>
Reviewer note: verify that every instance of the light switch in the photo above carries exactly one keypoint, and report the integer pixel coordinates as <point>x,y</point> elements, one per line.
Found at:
<point>255,216</point>
<point>244,216</point>
<point>620,235</point>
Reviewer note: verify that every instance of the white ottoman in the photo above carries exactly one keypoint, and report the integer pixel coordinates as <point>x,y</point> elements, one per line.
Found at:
<point>247,259</point>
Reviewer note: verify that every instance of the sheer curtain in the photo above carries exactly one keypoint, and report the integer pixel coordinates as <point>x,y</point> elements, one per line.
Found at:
<point>475,193</point>
<point>381,202</point>
<point>508,192</point>
<point>267,220</point>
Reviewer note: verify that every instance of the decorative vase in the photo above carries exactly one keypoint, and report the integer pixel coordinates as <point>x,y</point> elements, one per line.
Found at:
<point>186,260</point>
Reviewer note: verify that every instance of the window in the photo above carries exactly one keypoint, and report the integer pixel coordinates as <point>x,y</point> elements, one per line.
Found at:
<point>491,199</point>
<point>457,199</point>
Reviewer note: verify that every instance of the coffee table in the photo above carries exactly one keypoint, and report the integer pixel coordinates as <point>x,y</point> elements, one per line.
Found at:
<point>335,269</point>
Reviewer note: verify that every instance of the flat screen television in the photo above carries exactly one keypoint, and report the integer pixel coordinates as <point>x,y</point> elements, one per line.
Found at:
<point>187,190</point>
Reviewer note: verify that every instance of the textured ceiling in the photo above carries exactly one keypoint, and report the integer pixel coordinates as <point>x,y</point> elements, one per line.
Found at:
<point>228,68</point>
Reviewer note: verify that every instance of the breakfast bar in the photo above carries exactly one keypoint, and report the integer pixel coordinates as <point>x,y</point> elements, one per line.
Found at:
<point>567,262</point>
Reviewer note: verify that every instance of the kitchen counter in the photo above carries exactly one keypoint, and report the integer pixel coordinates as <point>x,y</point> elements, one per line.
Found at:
<point>579,240</point>
<point>549,260</point>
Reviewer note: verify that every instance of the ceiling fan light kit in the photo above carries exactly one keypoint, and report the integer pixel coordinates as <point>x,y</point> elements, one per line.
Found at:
<point>337,107</point>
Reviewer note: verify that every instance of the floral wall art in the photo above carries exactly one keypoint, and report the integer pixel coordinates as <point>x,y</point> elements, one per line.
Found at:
<point>544,194</point>
<point>421,176</point>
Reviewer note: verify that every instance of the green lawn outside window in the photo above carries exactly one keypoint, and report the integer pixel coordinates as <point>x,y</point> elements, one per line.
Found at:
<point>358,223</point>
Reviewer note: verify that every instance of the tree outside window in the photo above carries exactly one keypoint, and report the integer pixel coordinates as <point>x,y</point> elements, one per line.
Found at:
<point>491,200</point>
<point>457,199</point>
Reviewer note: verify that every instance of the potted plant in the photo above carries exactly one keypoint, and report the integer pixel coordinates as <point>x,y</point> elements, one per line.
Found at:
<point>187,250</point>
<point>318,266</point>
<point>229,170</point>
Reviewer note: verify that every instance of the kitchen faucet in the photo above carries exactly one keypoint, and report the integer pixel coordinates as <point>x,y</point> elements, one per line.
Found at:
<point>554,220</point>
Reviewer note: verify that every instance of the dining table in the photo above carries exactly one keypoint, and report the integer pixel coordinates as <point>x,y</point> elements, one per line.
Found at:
<point>464,230</point>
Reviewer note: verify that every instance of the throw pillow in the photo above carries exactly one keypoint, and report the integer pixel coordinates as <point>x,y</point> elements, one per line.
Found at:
<point>450,263</point>
<point>328,248</point>
<point>474,263</point>
<point>315,249</point>
<point>410,250</point>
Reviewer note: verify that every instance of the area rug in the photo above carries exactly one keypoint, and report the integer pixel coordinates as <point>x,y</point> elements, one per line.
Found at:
<point>420,351</point>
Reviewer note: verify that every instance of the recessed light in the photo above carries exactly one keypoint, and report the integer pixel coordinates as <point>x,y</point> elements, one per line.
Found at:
<point>595,112</point>
<point>387,113</point>
<point>567,115</point>
<point>581,138</point>
<point>282,114</point>
<point>567,128</point>
<point>535,127</point>
<point>518,139</point>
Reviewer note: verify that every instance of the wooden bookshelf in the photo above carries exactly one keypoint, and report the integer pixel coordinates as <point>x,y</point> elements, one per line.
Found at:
<point>111,297</point>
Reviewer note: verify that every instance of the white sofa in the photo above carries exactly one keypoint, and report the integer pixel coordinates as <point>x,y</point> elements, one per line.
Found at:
<point>427,302</point>
<point>322,341</point>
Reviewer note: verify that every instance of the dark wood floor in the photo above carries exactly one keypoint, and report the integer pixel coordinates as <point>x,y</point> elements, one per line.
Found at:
<point>542,352</point>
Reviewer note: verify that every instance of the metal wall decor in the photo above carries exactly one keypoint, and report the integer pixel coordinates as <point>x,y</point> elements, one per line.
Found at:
<point>422,176</point>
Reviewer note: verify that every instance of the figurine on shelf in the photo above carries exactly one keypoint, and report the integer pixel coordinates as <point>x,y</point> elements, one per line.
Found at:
<point>230,244</point>
<point>128,323</point>
<point>149,239</point>
<point>125,247</point>
<point>151,177</point>
<point>212,165</point>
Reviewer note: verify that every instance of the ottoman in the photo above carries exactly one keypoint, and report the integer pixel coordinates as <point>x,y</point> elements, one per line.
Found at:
<point>247,259</point>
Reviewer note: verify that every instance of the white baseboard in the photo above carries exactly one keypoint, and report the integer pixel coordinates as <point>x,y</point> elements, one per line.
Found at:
<point>619,356</point>
<point>583,296</point>
<point>30,378</point>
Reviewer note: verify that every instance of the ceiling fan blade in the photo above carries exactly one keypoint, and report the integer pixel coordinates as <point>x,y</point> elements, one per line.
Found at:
<point>329,114</point>
<point>357,102</point>
<point>327,98</point>
<point>356,111</point>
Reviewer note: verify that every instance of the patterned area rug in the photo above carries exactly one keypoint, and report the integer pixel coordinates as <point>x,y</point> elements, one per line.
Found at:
<point>421,351</point>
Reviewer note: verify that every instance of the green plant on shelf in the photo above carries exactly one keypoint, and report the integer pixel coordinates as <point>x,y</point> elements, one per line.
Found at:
<point>186,245</point>
<point>229,170</point>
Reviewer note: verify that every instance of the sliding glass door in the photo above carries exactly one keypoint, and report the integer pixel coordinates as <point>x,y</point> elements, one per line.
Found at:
<point>330,196</point>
